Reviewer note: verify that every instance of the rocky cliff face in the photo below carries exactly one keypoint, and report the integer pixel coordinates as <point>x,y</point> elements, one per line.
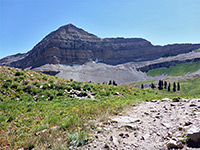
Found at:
<point>70,45</point>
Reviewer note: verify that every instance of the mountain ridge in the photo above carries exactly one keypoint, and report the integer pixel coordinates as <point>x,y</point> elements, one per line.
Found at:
<point>70,45</point>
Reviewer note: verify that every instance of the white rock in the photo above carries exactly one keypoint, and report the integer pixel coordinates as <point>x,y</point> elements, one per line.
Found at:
<point>125,119</point>
<point>114,140</point>
<point>167,125</point>
<point>166,100</point>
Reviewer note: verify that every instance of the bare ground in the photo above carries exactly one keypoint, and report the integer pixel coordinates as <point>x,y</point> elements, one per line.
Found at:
<point>155,125</point>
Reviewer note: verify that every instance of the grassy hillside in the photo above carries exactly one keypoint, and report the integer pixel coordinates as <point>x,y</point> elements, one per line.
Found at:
<point>45,112</point>
<point>178,70</point>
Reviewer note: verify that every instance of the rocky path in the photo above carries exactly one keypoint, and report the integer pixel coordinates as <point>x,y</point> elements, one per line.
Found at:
<point>156,125</point>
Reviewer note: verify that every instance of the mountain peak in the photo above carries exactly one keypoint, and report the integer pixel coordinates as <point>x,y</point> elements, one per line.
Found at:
<point>69,26</point>
<point>70,31</point>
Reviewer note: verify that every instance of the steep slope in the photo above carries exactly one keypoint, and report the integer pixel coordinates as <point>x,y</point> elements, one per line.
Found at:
<point>71,45</point>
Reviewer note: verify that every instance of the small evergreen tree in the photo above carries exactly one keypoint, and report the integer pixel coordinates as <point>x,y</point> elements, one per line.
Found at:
<point>169,86</point>
<point>152,86</point>
<point>114,83</point>
<point>142,86</point>
<point>178,87</point>
<point>160,85</point>
<point>165,85</point>
<point>174,87</point>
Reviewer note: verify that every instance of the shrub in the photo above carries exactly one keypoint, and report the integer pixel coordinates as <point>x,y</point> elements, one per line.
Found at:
<point>83,93</point>
<point>16,79</point>
<point>26,82</point>
<point>19,73</point>
<point>87,87</point>
<point>45,78</point>
<point>7,84</point>
<point>76,85</point>
<point>9,80</point>
<point>51,81</point>
<point>15,86</point>
<point>45,86</point>
<point>61,92</point>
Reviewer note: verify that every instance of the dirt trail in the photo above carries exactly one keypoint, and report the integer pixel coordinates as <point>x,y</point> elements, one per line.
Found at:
<point>156,125</point>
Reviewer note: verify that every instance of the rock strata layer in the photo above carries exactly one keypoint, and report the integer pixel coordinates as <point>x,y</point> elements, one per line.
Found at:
<point>70,45</point>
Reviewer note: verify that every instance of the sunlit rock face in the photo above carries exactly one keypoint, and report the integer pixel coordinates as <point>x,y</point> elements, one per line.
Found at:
<point>70,45</point>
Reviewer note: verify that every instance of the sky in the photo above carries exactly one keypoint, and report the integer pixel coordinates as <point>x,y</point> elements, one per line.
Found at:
<point>24,23</point>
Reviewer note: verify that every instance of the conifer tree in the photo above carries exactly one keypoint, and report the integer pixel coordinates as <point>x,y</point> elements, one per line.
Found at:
<point>160,85</point>
<point>110,82</point>
<point>169,86</point>
<point>142,86</point>
<point>174,87</point>
<point>114,83</point>
<point>178,87</point>
<point>152,86</point>
<point>165,85</point>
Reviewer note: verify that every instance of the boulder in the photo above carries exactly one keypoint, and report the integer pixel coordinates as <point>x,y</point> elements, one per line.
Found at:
<point>193,134</point>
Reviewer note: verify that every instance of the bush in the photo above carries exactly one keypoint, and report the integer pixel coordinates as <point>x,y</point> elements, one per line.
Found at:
<point>45,78</point>
<point>87,87</point>
<point>26,82</point>
<point>45,86</point>
<point>76,85</point>
<point>51,81</point>
<point>61,92</point>
<point>15,86</point>
<point>9,80</point>
<point>19,73</point>
<point>16,79</point>
<point>7,85</point>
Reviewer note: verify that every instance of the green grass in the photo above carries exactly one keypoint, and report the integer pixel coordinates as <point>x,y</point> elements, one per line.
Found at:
<point>197,50</point>
<point>31,102</point>
<point>178,70</point>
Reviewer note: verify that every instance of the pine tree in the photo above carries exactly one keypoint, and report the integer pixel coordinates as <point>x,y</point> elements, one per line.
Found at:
<point>160,85</point>
<point>169,86</point>
<point>152,86</point>
<point>165,85</point>
<point>178,87</point>
<point>114,83</point>
<point>110,82</point>
<point>142,86</point>
<point>174,87</point>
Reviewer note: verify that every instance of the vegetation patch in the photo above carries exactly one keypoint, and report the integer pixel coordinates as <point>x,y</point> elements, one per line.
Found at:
<point>37,109</point>
<point>178,70</point>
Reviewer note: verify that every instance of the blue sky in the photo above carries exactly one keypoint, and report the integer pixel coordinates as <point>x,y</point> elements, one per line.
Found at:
<point>23,23</point>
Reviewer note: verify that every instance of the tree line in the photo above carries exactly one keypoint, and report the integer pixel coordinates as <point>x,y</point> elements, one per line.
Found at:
<point>164,85</point>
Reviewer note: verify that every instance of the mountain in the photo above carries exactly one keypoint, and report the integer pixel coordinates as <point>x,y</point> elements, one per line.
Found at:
<point>70,45</point>
<point>70,52</point>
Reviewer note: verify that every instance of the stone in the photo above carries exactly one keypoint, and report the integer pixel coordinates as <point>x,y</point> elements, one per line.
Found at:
<point>114,140</point>
<point>106,146</point>
<point>193,134</point>
<point>54,128</point>
<point>172,144</point>
<point>124,135</point>
<point>166,100</point>
<point>43,131</point>
<point>131,126</point>
<point>177,99</point>
<point>167,125</point>
<point>125,119</point>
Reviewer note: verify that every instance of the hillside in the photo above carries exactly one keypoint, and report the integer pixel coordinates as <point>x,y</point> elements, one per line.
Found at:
<point>35,108</point>
<point>46,112</point>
